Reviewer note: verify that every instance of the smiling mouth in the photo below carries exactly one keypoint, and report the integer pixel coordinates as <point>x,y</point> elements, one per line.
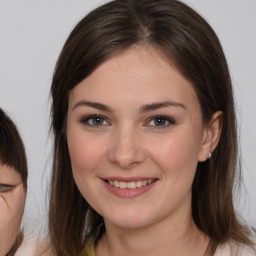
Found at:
<point>130,184</point>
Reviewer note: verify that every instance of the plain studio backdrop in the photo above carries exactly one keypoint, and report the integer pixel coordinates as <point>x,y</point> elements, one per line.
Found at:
<point>32,34</point>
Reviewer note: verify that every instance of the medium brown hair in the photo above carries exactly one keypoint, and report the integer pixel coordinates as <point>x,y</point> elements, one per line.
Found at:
<point>12,154</point>
<point>188,41</point>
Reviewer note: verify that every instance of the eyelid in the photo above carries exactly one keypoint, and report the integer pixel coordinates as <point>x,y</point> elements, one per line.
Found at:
<point>84,120</point>
<point>5,188</point>
<point>170,121</point>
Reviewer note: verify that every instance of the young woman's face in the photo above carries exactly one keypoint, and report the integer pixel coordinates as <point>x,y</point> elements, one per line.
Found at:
<point>12,201</point>
<point>135,135</point>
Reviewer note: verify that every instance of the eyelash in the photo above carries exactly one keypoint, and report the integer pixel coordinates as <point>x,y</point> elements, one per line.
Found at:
<point>162,118</point>
<point>90,119</point>
<point>87,120</point>
<point>5,188</point>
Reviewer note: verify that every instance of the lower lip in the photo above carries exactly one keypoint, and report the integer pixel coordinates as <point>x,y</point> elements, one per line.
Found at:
<point>126,192</point>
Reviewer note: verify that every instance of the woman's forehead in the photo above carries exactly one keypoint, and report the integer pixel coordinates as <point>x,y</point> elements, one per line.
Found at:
<point>134,74</point>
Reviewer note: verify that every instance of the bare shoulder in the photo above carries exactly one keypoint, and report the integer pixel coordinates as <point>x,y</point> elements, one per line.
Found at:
<point>35,247</point>
<point>234,249</point>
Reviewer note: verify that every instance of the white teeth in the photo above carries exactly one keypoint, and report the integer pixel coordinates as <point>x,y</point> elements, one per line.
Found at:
<point>116,184</point>
<point>144,182</point>
<point>138,183</point>
<point>123,184</point>
<point>130,184</point>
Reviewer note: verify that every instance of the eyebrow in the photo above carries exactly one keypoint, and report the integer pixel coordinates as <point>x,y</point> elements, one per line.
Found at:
<point>157,105</point>
<point>96,105</point>
<point>142,109</point>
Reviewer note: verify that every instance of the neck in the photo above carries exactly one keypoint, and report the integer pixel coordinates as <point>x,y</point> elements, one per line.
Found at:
<point>176,235</point>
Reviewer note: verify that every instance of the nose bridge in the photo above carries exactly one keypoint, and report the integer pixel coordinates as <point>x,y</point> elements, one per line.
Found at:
<point>126,149</point>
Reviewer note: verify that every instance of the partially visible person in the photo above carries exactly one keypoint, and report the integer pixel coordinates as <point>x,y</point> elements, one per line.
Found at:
<point>13,185</point>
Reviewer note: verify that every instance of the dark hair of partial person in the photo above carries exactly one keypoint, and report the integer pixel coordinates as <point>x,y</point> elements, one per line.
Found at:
<point>189,43</point>
<point>12,150</point>
<point>12,154</point>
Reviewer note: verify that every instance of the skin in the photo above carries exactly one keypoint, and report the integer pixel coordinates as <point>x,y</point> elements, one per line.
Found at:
<point>128,142</point>
<point>12,202</point>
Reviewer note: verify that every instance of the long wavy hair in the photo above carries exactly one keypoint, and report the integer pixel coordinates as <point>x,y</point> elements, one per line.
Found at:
<point>12,154</point>
<point>188,41</point>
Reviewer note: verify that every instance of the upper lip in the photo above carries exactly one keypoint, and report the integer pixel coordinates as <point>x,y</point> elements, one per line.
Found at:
<point>128,179</point>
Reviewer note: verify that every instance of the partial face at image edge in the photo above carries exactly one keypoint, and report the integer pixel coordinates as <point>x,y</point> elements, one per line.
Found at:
<point>12,202</point>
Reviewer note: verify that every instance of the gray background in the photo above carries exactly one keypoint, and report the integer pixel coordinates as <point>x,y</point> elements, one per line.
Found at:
<point>32,34</point>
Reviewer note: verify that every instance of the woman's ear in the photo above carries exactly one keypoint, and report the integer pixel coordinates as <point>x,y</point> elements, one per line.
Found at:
<point>211,136</point>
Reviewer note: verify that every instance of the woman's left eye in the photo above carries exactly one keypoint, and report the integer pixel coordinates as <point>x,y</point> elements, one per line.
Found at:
<point>95,120</point>
<point>4,188</point>
<point>160,122</point>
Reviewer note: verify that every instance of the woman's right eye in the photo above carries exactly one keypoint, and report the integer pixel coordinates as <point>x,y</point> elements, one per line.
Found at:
<point>5,188</point>
<point>95,121</point>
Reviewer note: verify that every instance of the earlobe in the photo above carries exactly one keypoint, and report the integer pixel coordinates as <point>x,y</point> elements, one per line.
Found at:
<point>211,136</point>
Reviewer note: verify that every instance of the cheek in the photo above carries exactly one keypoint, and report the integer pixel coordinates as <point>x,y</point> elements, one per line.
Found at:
<point>177,160</point>
<point>177,153</point>
<point>11,211</point>
<point>84,152</point>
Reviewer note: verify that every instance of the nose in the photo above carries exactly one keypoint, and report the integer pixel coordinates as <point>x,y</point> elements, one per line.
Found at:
<point>126,150</point>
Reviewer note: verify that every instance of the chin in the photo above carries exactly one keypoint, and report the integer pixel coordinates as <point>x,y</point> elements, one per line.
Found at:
<point>129,220</point>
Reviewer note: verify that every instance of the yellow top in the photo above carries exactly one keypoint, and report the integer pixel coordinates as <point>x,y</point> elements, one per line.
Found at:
<point>89,249</point>
<point>221,251</point>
